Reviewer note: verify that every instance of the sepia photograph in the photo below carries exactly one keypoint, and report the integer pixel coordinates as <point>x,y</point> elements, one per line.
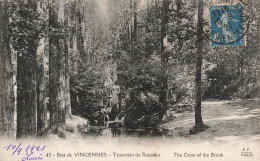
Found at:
<point>129,80</point>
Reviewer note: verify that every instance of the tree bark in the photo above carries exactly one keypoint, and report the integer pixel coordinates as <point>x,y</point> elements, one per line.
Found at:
<point>67,90</point>
<point>178,6</point>
<point>67,75</point>
<point>6,76</point>
<point>134,19</point>
<point>41,80</point>
<point>79,35</point>
<point>26,90</point>
<point>132,25</point>
<point>164,55</point>
<point>198,118</point>
<point>57,66</point>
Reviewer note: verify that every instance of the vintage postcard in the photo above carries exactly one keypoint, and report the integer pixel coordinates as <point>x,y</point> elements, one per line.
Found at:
<point>129,80</point>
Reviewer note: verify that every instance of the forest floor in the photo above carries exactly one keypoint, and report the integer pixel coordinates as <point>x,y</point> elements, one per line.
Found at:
<point>232,127</point>
<point>225,119</point>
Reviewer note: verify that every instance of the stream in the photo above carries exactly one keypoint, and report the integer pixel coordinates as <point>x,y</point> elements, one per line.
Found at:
<point>108,132</point>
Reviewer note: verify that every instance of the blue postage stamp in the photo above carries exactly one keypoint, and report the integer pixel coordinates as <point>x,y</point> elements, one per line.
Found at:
<point>227,25</point>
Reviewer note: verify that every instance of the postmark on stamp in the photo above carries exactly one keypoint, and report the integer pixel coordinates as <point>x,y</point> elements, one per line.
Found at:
<point>228,25</point>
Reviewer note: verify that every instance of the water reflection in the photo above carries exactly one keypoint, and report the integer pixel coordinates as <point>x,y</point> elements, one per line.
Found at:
<point>115,131</point>
<point>121,132</point>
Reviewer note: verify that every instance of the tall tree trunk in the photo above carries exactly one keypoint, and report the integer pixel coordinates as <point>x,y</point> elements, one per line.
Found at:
<point>130,26</point>
<point>178,6</point>
<point>134,19</point>
<point>198,118</point>
<point>57,66</point>
<point>41,80</point>
<point>164,55</point>
<point>132,29</point>
<point>79,34</point>
<point>41,91</point>
<point>67,86</point>
<point>6,76</point>
<point>26,90</point>
<point>67,75</point>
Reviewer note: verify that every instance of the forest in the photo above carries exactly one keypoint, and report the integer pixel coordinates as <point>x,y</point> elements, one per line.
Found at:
<point>119,64</point>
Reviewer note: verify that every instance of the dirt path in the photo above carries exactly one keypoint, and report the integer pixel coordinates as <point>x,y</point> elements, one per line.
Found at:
<point>224,118</point>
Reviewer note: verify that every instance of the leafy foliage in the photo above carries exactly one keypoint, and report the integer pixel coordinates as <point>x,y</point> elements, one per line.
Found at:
<point>234,70</point>
<point>26,28</point>
<point>85,99</point>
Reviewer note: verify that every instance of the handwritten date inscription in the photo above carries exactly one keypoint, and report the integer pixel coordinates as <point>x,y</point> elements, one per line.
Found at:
<point>30,151</point>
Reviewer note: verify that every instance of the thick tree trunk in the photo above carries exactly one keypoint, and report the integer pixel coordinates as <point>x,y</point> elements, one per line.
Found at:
<point>67,75</point>
<point>79,36</point>
<point>26,97</point>
<point>57,66</point>
<point>26,90</point>
<point>41,80</point>
<point>67,90</point>
<point>41,91</point>
<point>164,56</point>
<point>6,76</point>
<point>198,118</point>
